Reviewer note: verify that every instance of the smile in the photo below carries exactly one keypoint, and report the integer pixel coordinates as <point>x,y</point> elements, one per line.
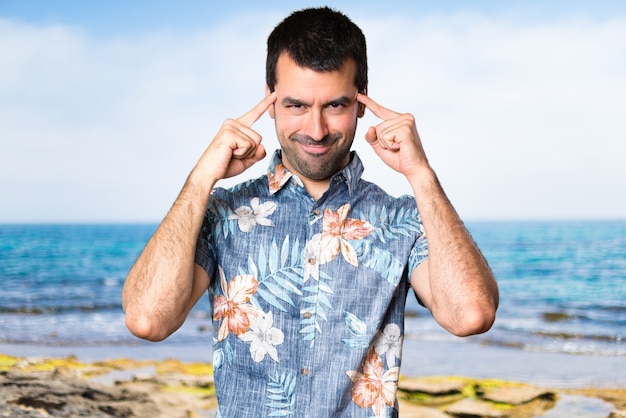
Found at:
<point>315,149</point>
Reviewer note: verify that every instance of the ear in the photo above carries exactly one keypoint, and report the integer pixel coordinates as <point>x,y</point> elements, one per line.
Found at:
<point>361,111</point>
<point>272,108</point>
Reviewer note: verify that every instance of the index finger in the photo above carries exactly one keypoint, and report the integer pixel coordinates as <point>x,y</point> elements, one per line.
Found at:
<point>257,111</point>
<point>379,111</point>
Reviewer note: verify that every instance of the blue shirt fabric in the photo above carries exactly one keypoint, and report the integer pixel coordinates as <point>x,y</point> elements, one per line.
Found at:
<point>308,296</point>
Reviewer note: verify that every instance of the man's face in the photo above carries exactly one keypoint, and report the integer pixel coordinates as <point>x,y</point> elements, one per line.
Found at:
<point>315,115</point>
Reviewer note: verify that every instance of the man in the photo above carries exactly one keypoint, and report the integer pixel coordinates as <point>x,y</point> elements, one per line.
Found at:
<point>308,268</point>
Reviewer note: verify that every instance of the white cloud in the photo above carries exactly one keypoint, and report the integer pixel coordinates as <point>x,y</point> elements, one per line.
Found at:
<point>107,129</point>
<point>518,120</point>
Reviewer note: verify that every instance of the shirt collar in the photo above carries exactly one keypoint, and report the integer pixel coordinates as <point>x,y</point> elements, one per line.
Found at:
<point>278,175</point>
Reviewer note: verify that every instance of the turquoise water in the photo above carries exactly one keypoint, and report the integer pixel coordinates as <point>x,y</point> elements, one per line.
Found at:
<point>562,284</point>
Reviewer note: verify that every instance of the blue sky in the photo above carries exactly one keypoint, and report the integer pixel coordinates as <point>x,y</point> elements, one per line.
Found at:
<point>117,17</point>
<point>106,106</point>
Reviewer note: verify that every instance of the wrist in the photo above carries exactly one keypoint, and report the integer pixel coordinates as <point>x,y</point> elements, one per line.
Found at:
<point>201,178</point>
<point>427,190</point>
<point>198,186</point>
<point>423,178</point>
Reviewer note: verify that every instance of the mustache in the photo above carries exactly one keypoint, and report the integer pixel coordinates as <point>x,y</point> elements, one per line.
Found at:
<point>307,140</point>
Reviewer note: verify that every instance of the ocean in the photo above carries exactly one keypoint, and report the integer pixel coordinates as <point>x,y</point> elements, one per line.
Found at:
<point>562,287</point>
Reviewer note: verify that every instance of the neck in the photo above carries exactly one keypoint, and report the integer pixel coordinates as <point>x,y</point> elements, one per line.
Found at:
<point>316,188</point>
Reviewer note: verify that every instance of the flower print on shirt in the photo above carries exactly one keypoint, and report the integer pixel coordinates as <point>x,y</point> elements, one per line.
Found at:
<point>233,308</point>
<point>311,256</point>
<point>337,230</point>
<point>278,178</point>
<point>249,216</point>
<point>374,388</point>
<point>263,337</point>
<point>389,343</point>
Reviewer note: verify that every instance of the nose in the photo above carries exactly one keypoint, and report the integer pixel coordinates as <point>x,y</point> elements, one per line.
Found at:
<point>315,125</point>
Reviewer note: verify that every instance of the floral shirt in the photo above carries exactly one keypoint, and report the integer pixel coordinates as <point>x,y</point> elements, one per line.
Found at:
<point>308,296</point>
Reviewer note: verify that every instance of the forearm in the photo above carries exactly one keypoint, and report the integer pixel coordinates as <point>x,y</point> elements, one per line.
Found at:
<point>455,282</point>
<point>164,284</point>
<point>462,293</point>
<point>158,290</point>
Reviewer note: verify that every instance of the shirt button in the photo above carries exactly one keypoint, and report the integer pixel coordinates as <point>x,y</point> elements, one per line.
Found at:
<point>304,371</point>
<point>311,260</point>
<point>307,315</point>
<point>316,212</point>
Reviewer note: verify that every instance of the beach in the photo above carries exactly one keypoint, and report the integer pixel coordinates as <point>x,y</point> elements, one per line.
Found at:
<point>171,380</point>
<point>163,380</point>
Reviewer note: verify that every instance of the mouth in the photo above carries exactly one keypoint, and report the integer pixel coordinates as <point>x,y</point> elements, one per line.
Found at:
<point>316,148</point>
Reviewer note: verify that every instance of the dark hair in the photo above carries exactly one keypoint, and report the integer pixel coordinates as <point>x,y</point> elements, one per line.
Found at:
<point>320,39</point>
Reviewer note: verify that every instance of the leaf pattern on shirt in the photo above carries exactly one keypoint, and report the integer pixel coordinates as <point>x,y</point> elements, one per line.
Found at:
<point>221,354</point>
<point>318,292</point>
<point>380,259</point>
<point>233,307</point>
<point>360,337</point>
<point>220,213</point>
<point>337,230</point>
<point>373,387</point>
<point>316,302</point>
<point>281,393</point>
<point>279,273</point>
<point>392,224</point>
<point>388,225</point>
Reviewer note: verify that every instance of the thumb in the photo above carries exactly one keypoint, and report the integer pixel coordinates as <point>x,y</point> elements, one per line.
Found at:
<point>370,136</point>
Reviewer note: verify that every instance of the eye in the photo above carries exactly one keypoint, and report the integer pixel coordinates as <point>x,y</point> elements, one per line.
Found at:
<point>295,108</point>
<point>336,108</point>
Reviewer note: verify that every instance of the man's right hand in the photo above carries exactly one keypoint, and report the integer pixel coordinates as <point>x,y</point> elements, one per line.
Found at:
<point>236,147</point>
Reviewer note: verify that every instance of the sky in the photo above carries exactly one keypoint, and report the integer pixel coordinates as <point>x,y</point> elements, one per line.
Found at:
<point>105,107</point>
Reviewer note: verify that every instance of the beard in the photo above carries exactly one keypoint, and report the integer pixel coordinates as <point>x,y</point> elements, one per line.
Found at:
<point>318,166</point>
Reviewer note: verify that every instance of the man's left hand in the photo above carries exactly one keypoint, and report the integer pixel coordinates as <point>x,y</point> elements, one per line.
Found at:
<point>395,140</point>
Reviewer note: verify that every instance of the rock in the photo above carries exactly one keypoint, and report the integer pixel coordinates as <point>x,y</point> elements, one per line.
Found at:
<point>144,377</point>
<point>43,394</point>
<point>470,408</point>
<point>517,395</point>
<point>434,387</point>
<point>618,414</point>
<point>174,379</point>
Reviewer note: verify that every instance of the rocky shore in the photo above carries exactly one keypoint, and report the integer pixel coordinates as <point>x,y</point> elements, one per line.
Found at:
<point>66,387</point>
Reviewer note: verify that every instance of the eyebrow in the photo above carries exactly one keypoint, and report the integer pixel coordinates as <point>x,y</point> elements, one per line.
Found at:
<point>290,101</point>
<point>343,100</point>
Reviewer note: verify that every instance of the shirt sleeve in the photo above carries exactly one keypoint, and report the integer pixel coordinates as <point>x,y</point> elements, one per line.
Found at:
<point>419,251</point>
<point>418,254</point>
<point>205,245</point>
